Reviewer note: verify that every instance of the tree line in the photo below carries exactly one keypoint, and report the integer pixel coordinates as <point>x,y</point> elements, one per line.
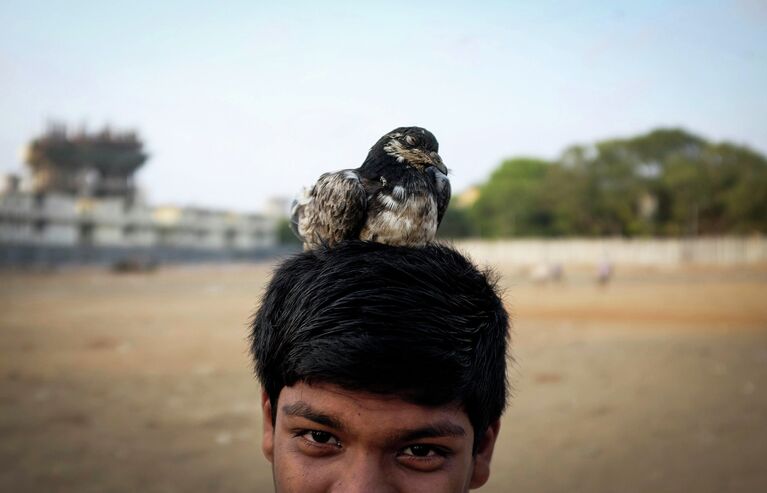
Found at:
<point>667,182</point>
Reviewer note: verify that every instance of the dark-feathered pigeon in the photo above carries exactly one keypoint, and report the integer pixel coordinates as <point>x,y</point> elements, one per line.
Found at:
<point>398,196</point>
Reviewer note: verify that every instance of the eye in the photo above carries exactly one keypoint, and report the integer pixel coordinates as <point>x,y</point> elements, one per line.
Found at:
<point>423,458</point>
<point>320,437</point>
<point>419,451</point>
<point>316,443</point>
<point>411,140</point>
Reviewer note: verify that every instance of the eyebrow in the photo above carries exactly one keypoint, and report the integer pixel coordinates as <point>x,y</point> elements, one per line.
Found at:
<point>302,409</point>
<point>443,428</point>
<point>435,430</point>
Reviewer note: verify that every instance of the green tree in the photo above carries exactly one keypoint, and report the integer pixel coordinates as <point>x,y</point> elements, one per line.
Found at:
<point>509,203</point>
<point>456,223</point>
<point>667,181</point>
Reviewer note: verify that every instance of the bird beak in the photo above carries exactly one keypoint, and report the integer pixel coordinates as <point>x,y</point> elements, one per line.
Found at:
<point>436,161</point>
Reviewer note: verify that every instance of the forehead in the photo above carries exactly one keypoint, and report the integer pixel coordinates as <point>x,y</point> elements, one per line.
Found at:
<point>362,412</point>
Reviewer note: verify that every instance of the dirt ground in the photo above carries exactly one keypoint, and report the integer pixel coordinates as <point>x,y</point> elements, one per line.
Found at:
<point>142,383</point>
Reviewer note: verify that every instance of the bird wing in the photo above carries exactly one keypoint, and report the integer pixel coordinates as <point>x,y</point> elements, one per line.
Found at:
<point>331,211</point>
<point>442,188</point>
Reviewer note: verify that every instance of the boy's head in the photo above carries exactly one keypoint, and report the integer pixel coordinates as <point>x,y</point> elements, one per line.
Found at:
<point>365,344</point>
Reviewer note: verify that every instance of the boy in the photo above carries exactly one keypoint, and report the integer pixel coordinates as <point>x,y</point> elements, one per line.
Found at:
<point>383,369</point>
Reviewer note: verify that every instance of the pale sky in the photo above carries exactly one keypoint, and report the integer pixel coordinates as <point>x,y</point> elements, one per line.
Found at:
<point>241,101</point>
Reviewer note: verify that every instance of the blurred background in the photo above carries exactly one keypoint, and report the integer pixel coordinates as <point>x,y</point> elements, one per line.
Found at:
<point>606,158</point>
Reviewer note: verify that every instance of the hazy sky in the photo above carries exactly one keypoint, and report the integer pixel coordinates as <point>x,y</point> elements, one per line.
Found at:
<point>239,101</point>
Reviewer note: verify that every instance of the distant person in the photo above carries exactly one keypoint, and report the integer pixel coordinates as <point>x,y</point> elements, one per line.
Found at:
<point>604,272</point>
<point>556,272</point>
<point>545,272</point>
<point>383,368</point>
<point>540,273</point>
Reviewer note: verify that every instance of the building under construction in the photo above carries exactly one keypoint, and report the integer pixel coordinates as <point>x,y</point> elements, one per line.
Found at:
<point>80,203</point>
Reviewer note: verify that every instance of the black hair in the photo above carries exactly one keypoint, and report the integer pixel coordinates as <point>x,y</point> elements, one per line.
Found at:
<point>420,323</point>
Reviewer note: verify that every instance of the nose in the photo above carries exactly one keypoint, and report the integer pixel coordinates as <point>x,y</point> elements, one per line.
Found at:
<point>365,474</point>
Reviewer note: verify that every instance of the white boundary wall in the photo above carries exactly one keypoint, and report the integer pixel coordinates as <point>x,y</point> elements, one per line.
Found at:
<point>651,252</point>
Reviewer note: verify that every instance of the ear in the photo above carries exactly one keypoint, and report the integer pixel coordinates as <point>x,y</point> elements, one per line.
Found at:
<point>267,442</point>
<point>481,472</point>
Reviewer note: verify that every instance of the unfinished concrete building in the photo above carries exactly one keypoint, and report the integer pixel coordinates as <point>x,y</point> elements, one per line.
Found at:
<point>81,199</point>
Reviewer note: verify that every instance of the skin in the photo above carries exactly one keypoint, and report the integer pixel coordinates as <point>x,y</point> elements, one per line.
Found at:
<point>328,439</point>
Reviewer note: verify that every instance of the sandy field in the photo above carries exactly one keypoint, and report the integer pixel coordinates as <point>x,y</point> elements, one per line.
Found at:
<point>142,382</point>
